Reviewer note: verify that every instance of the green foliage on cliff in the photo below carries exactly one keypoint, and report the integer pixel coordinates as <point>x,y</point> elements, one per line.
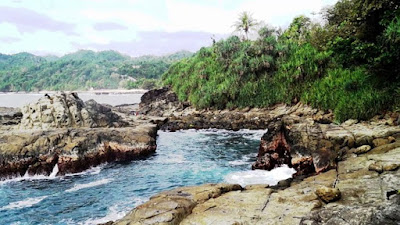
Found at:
<point>349,65</point>
<point>82,70</point>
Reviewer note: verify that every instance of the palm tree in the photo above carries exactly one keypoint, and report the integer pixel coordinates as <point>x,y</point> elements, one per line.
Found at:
<point>245,23</point>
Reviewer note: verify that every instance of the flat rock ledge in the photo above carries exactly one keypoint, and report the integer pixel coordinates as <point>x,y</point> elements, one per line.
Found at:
<point>323,153</point>
<point>367,197</point>
<point>312,147</point>
<point>63,130</point>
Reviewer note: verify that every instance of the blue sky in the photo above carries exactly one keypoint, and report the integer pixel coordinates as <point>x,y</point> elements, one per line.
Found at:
<point>133,27</point>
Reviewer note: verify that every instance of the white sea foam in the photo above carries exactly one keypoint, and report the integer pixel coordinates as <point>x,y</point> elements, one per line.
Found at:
<point>115,212</point>
<point>252,134</point>
<point>89,185</point>
<point>173,159</point>
<point>260,176</point>
<point>23,203</point>
<point>53,173</point>
<point>113,215</point>
<point>91,171</point>
<point>245,160</point>
<point>33,177</point>
<point>238,162</point>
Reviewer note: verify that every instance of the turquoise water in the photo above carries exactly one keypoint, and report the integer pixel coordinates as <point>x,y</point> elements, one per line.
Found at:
<point>109,191</point>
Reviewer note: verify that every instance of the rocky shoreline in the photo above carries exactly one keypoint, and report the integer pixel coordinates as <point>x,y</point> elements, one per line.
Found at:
<point>346,173</point>
<point>76,135</point>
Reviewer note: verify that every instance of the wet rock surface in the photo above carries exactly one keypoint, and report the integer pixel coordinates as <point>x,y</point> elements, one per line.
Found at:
<point>364,199</point>
<point>313,147</point>
<point>323,153</point>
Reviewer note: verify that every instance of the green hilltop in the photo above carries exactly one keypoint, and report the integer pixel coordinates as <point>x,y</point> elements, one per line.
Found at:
<point>82,70</point>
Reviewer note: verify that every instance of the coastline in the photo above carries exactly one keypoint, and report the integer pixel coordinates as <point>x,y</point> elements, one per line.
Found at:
<point>353,157</point>
<point>99,91</point>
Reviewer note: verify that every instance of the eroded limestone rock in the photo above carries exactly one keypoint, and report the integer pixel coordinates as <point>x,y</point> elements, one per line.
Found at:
<point>65,111</point>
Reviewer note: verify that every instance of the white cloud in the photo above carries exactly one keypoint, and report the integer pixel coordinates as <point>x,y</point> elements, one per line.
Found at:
<point>197,17</point>
<point>210,16</point>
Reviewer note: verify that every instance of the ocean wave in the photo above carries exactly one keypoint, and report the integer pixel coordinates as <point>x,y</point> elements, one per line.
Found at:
<point>89,185</point>
<point>91,171</point>
<point>172,159</point>
<point>53,175</point>
<point>115,212</point>
<point>23,203</point>
<point>34,177</point>
<point>252,134</point>
<point>245,160</point>
<point>260,176</point>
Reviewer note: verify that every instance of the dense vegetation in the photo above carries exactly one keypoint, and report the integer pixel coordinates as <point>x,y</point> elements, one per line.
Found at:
<point>82,70</point>
<point>349,64</point>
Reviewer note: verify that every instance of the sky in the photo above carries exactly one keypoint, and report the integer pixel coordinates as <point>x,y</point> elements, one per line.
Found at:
<point>133,27</point>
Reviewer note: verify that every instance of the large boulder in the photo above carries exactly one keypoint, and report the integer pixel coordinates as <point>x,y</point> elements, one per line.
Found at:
<point>63,130</point>
<point>160,102</point>
<point>73,150</point>
<point>67,110</point>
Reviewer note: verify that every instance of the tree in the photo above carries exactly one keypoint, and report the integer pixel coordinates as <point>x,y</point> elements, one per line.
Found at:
<point>299,30</point>
<point>245,23</point>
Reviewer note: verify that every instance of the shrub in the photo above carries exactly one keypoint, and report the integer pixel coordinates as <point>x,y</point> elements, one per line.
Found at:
<point>350,93</point>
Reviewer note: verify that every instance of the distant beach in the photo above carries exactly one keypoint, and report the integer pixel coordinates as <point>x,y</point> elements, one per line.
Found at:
<point>105,96</point>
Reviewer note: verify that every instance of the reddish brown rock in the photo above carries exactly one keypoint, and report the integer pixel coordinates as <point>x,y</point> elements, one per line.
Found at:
<point>274,151</point>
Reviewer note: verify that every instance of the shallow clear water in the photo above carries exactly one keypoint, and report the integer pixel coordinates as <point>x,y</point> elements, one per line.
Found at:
<point>21,99</point>
<point>107,192</point>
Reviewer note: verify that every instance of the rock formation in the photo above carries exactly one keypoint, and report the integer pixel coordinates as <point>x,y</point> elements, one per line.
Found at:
<point>10,116</point>
<point>351,172</point>
<point>66,111</point>
<point>75,135</point>
<point>366,197</point>
<point>309,146</point>
<point>161,102</point>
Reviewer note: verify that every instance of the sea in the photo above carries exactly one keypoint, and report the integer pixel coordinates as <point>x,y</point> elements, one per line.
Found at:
<point>109,191</point>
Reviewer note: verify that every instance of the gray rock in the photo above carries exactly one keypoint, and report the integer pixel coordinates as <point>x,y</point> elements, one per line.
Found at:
<point>67,110</point>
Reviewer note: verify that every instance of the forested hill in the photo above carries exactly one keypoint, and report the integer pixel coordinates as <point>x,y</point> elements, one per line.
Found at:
<point>349,64</point>
<point>82,70</point>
